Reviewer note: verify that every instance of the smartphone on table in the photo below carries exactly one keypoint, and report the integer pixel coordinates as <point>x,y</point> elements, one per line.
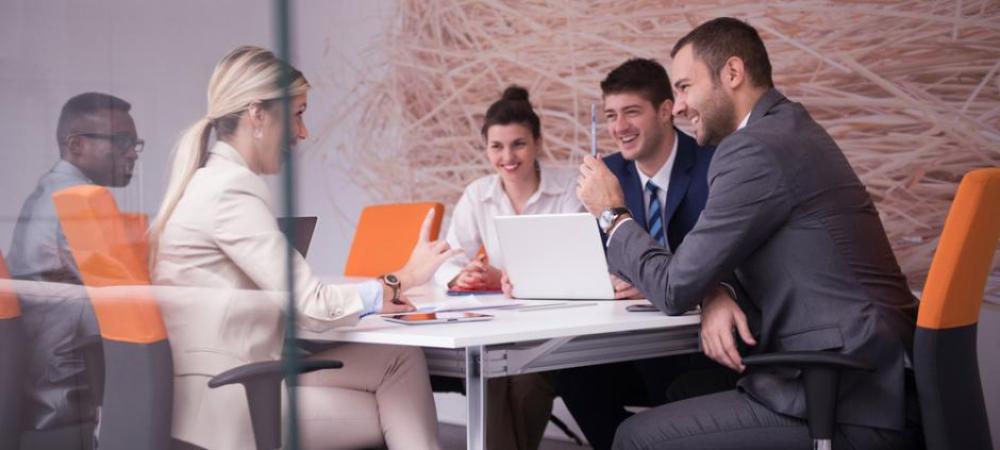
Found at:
<point>641,307</point>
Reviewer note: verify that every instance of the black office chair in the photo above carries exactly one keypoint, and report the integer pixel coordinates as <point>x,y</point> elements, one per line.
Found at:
<point>11,363</point>
<point>945,364</point>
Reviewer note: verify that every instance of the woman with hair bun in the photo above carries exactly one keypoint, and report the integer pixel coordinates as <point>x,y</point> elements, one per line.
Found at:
<point>216,229</point>
<point>520,405</point>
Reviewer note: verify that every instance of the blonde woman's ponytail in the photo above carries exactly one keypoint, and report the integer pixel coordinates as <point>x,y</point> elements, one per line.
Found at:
<point>244,76</point>
<point>189,155</point>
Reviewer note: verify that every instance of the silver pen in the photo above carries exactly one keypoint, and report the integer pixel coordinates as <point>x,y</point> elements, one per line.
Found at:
<point>593,130</point>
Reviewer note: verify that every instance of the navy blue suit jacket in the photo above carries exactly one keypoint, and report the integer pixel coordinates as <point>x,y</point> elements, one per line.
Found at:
<point>686,194</point>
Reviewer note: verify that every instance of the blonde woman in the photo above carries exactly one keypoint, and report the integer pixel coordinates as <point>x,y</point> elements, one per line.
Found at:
<point>216,228</point>
<point>519,406</point>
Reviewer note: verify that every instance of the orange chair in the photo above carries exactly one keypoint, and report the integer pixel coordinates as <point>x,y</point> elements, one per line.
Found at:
<point>945,363</point>
<point>385,236</point>
<point>138,368</point>
<point>136,225</point>
<point>944,347</point>
<point>11,362</point>
<point>138,386</point>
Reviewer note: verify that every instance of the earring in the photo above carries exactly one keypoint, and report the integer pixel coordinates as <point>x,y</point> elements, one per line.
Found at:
<point>257,133</point>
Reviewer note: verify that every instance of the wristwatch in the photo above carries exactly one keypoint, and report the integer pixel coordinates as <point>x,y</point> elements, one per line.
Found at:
<point>393,282</point>
<point>609,216</point>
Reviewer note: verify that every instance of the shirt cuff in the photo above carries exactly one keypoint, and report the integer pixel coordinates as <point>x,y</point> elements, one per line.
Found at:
<point>611,233</point>
<point>729,287</point>
<point>371,297</point>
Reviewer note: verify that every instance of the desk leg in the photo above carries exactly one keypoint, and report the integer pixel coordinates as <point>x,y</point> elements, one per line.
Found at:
<point>475,397</point>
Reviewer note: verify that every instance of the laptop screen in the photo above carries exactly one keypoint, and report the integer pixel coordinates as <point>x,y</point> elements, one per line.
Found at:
<point>301,231</point>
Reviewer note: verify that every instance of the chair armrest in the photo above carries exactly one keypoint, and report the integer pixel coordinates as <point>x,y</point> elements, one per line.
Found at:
<point>268,370</point>
<point>262,381</point>
<point>802,360</point>
<point>820,376</point>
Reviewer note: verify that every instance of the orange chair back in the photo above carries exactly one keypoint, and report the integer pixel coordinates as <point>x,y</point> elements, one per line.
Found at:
<point>9,306</point>
<point>136,225</point>
<point>110,251</point>
<point>385,236</point>
<point>954,289</point>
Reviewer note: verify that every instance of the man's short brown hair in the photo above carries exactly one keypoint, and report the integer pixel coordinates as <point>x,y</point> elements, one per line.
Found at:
<point>717,40</point>
<point>645,77</point>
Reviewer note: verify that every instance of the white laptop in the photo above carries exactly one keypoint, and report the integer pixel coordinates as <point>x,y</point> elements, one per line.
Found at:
<point>554,256</point>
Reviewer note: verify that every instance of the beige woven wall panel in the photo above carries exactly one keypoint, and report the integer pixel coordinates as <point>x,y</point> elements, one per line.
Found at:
<point>910,90</point>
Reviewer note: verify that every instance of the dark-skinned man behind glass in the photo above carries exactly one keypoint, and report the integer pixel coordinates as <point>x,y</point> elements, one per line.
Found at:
<point>98,144</point>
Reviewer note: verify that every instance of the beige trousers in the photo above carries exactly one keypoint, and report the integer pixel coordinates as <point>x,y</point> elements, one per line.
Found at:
<point>381,397</point>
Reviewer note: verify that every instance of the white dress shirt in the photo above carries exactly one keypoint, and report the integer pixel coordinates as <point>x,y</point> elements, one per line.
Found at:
<point>743,122</point>
<point>472,223</point>
<point>662,180</point>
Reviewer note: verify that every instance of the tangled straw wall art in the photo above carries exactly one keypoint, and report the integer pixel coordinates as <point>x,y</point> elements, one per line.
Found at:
<point>910,90</point>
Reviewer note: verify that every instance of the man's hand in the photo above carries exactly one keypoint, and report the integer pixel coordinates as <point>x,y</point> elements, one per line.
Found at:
<point>719,316</point>
<point>505,286</point>
<point>624,290</point>
<point>426,257</point>
<point>598,188</point>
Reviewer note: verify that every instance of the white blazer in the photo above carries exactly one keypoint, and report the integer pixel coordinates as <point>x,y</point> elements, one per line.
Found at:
<point>223,234</point>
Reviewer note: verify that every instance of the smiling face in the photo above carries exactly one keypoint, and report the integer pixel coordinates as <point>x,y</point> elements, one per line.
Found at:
<point>701,98</point>
<point>512,150</point>
<point>637,127</point>
<point>103,146</point>
<point>269,157</point>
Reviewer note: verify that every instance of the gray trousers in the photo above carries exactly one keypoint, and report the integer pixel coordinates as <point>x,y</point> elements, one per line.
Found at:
<point>733,420</point>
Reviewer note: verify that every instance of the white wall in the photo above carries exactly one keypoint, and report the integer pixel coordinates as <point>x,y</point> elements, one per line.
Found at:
<point>159,56</point>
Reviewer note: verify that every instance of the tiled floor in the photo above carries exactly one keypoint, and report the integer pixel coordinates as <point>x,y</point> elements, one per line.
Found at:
<point>453,438</point>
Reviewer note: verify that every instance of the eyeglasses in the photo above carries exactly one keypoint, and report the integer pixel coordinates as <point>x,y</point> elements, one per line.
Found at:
<point>121,142</point>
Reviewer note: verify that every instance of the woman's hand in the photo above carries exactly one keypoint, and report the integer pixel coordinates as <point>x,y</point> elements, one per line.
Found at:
<point>426,257</point>
<point>477,275</point>
<point>403,306</point>
<point>505,286</point>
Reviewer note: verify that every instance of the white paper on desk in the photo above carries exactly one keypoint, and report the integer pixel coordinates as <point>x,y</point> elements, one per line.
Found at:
<point>467,303</point>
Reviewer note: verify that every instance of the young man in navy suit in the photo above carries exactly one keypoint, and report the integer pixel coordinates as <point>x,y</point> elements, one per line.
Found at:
<point>662,172</point>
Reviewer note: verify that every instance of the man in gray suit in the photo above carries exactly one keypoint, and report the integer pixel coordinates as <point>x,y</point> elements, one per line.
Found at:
<point>98,144</point>
<point>787,214</point>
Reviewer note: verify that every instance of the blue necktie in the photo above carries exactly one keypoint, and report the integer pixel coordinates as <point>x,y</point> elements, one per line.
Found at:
<point>655,214</point>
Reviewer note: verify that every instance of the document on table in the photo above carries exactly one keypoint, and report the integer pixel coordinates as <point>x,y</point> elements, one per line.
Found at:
<point>468,303</point>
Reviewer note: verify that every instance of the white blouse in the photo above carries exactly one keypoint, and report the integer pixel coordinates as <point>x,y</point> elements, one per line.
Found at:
<point>472,223</point>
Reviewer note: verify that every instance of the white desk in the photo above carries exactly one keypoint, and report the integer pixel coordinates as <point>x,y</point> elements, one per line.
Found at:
<point>518,342</point>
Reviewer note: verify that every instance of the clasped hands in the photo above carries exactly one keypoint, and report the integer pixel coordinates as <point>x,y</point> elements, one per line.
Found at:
<point>477,275</point>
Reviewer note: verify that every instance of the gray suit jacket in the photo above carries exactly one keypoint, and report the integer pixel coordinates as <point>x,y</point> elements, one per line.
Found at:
<point>787,214</point>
